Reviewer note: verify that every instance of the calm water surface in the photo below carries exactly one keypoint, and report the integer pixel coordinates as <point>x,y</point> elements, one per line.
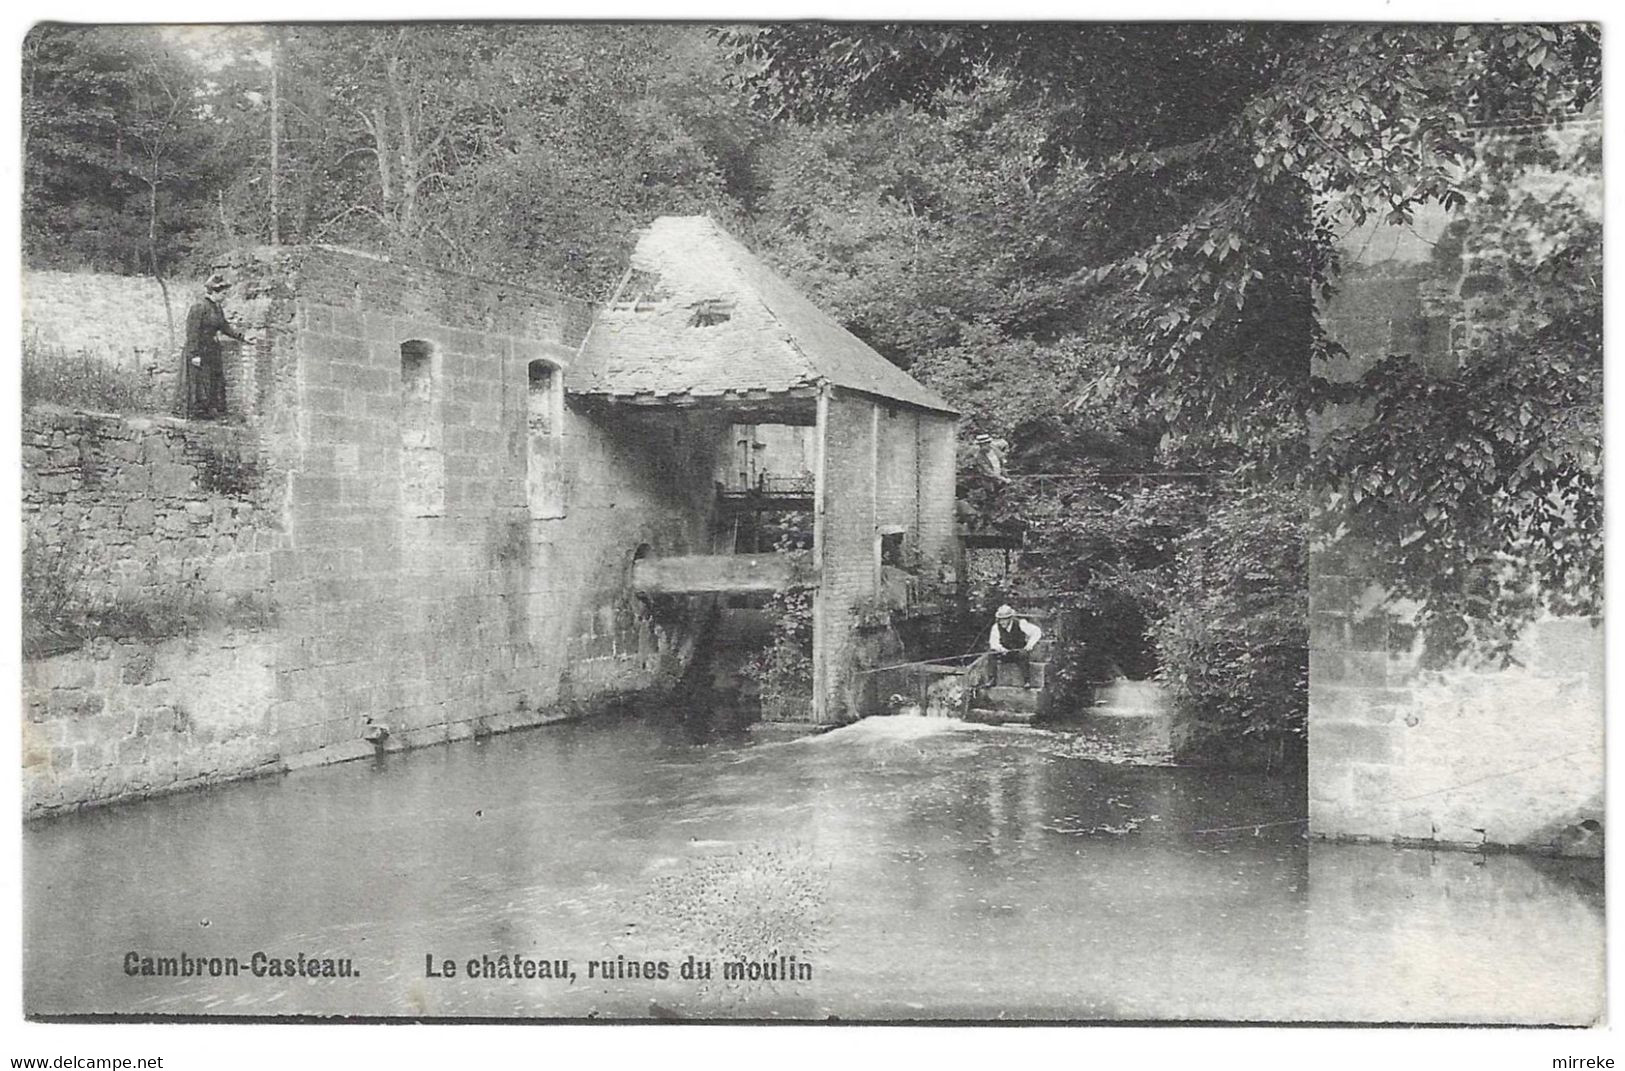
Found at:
<point>922,867</point>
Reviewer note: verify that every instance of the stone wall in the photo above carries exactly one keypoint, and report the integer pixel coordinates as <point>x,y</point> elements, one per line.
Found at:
<point>397,619</point>
<point>120,319</point>
<point>135,716</point>
<point>408,531</point>
<point>445,615</point>
<point>776,451</point>
<point>885,467</point>
<point>1463,756</point>
<point>938,469</point>
<point>151,546</point>
<point>124,508</point>
<point>1504,757</point>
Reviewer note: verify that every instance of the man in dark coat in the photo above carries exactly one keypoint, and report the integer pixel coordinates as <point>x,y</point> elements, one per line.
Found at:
<point>203,372</point>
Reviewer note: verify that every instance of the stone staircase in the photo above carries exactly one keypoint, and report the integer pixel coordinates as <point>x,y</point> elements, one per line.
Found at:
<point>1001,698</point>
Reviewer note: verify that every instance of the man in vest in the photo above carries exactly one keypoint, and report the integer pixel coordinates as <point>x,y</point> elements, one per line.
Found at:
<point>1013,639</point>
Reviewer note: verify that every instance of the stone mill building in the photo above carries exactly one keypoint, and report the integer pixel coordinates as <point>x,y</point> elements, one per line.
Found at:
<point>445,506</point>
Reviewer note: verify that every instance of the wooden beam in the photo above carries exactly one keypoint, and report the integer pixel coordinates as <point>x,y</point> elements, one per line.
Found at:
<point>698,574</point>
<point>792,407</point>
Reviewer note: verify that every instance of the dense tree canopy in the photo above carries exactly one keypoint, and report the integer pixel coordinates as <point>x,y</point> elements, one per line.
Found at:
<point>1481,488</point>
<point>119,153</point>
<point>1188,185</point>
<point>529,150</point>
<point>1202,171</point>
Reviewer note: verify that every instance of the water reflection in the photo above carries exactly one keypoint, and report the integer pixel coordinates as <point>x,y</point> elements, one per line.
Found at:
<point>925,868</point>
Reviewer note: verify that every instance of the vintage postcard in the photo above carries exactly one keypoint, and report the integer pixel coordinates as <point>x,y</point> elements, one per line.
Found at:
<point>864,522</point>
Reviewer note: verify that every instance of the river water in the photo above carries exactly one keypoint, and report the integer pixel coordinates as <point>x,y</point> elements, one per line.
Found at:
<point>921,868</point>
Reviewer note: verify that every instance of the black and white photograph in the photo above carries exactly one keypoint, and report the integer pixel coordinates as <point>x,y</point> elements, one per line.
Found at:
<point>961,522</point>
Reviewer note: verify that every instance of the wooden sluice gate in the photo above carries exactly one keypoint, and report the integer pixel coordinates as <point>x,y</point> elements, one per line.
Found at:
<point>739,574</point>
<point>935,688</point>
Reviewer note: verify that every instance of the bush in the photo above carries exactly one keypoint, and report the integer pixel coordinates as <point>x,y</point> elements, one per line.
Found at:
<point>54,376</point>
<point>1107,550</point>
<point>54,590</point>
<point>783,671</point>
<point>62,608</point>
<point>1234,644</point>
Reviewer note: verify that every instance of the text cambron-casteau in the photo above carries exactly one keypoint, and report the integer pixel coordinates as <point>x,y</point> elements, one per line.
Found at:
<point>259,965</point>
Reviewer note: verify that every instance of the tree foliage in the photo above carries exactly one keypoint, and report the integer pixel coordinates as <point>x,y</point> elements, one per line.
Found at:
<point>527,150</point>
<point>1483,484</point>
<point>1234,645</point>
<point>118,160</point>
<point>1200,178</point>
<point>1219,161</point>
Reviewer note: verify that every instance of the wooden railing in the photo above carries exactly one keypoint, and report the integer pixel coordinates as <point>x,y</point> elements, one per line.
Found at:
<point>1051,482</point>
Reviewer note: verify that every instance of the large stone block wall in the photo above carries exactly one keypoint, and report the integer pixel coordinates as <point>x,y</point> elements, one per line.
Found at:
<point>1462,756</point>
<point>131,717</point>
<point>170,533</point>
<point>442,616</point>
<point>1508,757</point>
<point>392,624</point>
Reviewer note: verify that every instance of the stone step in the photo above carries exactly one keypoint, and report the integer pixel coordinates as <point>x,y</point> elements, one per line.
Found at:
<point>1009,675</point>
<point>1019,699</point>
<point>990,716</point>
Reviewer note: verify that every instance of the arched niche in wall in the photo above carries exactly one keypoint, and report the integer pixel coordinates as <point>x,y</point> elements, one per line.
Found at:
<point>544,435</point>
<point>654,614</point>
<point>423,457</point>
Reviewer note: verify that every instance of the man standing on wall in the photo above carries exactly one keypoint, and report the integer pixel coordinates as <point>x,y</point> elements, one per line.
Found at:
<point>203,372</point>
<point>990,458</point>
<point>1013,639</point>
<point>985,480</point>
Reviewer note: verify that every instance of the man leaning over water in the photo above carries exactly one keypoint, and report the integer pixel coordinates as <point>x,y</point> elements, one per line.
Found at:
<point>1013,639</point>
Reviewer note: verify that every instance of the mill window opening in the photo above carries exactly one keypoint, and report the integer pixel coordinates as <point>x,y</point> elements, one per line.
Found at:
<point>417,364</point>
<point>423,461</point>
<point>891,549</point>
<point>539,398</point>
<point>544,477</point>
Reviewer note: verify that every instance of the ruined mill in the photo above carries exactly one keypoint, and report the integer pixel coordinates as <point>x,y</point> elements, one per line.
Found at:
<point>443,506</point>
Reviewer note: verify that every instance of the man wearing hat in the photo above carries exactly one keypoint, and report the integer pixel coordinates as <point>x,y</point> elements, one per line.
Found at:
<point>1013,639</point>
<point>990,457</point>
<point>203,374</point>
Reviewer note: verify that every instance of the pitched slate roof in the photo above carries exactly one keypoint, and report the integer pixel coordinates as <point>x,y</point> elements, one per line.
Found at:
<point>700,316</point>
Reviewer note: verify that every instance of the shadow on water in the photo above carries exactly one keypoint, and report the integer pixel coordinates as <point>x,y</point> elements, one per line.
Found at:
<point>916,867</point>
<point>1581,877</point>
